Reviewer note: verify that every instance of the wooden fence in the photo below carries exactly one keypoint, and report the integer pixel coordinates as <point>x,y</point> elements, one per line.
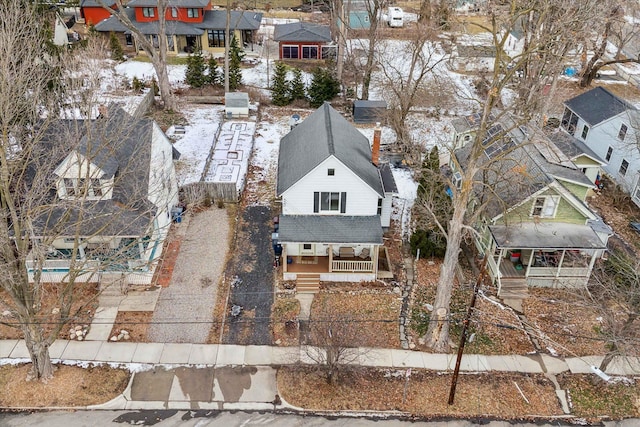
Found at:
<point>196,192</point>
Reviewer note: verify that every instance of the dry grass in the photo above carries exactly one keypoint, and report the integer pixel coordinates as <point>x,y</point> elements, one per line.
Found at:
<point>592,401</point>
<point>617,214</point>
<point>134,322</point>
<point>284,321</point>
<point>375,315</point>
<point>83,307</point>
<point>569,325</point>
<point>496,328</point>
<point>492,394</point>
<point>70,386</point>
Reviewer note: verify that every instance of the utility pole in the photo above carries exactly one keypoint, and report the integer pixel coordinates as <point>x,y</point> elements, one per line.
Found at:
<point>227,44</point>
<point>465,326</point>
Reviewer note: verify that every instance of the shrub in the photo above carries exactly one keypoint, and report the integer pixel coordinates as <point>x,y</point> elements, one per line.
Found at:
<point>117,54</point>
<point>324,87</point>
<point>194,75</point>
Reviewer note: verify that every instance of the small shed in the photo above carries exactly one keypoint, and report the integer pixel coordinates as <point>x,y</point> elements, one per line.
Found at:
<point>236,104</point>
<point>369,111</point>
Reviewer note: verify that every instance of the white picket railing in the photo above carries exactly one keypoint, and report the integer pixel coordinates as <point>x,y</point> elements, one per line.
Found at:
<point>351,266</point>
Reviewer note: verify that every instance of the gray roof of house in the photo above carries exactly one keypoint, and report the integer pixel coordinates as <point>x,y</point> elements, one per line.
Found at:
<point>597,105</point>
<point>217,20</point>
<point>330,229</point>
<point>529,165</point>
<point>121,146</point>
<point>388,182</point>
<point>171,27</point>
<point>571,146</point>
<point>546,235</point>
<point>323,134</point>
<point>172,3</point>
<point>476,51</point>
<point>301,32</point>
<point>96,3</point>
<point>213,20</point>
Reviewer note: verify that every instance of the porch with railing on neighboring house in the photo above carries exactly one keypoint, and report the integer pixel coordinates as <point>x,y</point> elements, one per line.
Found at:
<point>541,267</point>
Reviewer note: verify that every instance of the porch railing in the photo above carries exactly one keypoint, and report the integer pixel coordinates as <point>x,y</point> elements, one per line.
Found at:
<point>564,272</point>
<point>351,266</point>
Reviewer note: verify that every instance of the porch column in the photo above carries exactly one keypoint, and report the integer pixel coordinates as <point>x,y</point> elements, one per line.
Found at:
<point>591,263</point>
<point>560,263</point>
<point>284,258</point>
<point>498,274</point>
<point>526,274</point>
<point>330,258</point>
<point>375,254</point>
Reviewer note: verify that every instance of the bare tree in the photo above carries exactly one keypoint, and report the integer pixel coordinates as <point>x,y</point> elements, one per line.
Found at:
<point>374,13</point>
<point>473,179</point>
<point>157,55</point>
<point>48,221</point>
<point>405,83</point>
<point>615,294</point>
<point>333,341</point>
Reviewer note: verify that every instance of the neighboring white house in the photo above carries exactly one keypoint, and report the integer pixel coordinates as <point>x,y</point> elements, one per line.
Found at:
<point>336,199</point>
<point>607,125</point>
<point>115,192</point>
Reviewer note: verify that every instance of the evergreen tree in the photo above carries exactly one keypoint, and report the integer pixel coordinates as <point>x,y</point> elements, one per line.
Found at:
<point>280,87</point>
<point>297,86</point>
<point>213,78</point>
<point>117,54</point>
<point>194,75</point>
<point>235,60</point>
<point>324,87</point>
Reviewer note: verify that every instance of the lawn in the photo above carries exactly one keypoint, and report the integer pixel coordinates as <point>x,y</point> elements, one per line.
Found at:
<point>70,386</point>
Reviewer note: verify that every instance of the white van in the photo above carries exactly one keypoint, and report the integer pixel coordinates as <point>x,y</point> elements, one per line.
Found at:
<point>395,17</point>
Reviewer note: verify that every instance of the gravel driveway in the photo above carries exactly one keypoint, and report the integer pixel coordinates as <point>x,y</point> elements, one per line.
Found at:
<point>185,309</point>
<point>252,264</point>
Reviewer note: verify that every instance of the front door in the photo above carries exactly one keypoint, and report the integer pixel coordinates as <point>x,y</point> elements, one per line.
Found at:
<point>192,44</point>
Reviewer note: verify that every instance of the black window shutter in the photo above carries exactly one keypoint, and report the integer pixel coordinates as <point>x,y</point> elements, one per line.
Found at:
<point>343,202</point>
<point>316,202</point>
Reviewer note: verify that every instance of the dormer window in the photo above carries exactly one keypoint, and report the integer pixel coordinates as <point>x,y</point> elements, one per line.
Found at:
<point>148,12</point>
<point>76,187</point>
<point>192,13</point>
<point>174,12</point>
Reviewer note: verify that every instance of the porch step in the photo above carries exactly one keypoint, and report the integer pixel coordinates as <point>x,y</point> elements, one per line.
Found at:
<point>308,283</point>
<point>513,288</point>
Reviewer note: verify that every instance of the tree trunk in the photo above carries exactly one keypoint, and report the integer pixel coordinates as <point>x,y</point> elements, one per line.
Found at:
<point>164,85</point>
<point>437,336</point>
<point>425,12</point>
<point>631,318</point>
<point>41,366</point>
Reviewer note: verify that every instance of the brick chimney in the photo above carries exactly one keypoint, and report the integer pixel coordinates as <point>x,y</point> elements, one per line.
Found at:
<point>375,149</point>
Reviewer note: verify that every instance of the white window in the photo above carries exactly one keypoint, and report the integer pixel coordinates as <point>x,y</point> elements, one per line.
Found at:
<point>636,193</point>
<point>623,132</point>
<point>192,13</point>
<point>623,167</point>
<point>174,12</point>
<point>545,206</point>
<point>330,202</point>
<point>148,12</point>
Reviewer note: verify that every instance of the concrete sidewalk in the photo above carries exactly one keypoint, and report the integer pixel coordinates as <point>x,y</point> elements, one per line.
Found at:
<point>236,355</point>
<point>233,377</point>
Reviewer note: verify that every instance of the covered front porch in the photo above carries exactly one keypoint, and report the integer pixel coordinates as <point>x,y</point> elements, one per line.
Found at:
<point>543,255</point>
<point>338,248</point>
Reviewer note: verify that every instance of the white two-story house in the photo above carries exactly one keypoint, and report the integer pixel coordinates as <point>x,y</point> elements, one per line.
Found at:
<point>336,200</point>
<point>111,210</point>
<point>608,126</point>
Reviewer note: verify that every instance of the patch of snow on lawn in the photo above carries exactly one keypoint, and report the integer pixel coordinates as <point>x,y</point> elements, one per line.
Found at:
<point>407,191</point>
<point>194,146</point>
<point>145,72</point>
